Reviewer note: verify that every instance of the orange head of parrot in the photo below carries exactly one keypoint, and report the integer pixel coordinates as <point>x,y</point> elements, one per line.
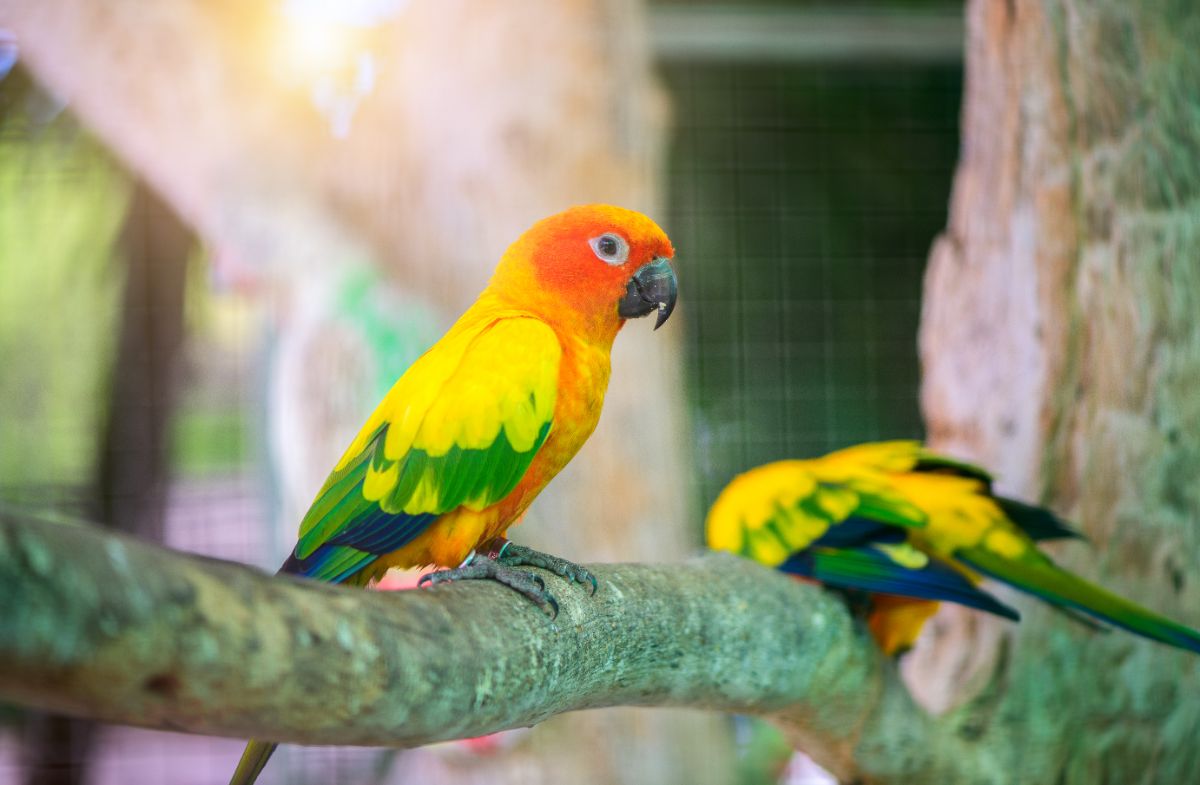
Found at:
<point>593,267</point>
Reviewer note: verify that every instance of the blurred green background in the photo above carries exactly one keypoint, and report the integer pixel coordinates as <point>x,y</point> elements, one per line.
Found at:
<point>804,200</point>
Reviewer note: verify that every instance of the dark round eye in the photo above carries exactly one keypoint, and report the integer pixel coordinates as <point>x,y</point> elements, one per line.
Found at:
<point>610,248</point>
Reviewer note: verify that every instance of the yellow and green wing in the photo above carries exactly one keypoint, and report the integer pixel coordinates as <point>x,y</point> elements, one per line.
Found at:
<point>459,429</point>
<point>842,521</point>
<point>775,510</point>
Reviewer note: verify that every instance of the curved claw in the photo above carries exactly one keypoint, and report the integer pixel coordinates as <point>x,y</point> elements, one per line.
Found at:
<point>577,574</point>
<point>426,578</point>
<point>538,580</point>
<point>553,603</point>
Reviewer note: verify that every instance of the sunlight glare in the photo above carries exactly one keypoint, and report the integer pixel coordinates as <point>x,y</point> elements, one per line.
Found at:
<point>325,48</point>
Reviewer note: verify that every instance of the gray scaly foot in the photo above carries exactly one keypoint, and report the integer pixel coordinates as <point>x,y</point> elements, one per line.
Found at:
<point>478,567</point>
<point>498,559</point>
<point>519,556</point>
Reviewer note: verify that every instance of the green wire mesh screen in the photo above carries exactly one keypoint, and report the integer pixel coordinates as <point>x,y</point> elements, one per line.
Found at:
<point>805,200</point>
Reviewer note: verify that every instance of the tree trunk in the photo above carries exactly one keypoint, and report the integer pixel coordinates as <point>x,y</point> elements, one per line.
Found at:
<point>1061,346</point>
<point>475,119</point>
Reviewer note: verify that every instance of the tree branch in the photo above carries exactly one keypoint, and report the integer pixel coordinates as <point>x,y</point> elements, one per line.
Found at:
<point>103,626</point>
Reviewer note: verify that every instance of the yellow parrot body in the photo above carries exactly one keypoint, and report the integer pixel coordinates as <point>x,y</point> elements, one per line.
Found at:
<point>478,425</point>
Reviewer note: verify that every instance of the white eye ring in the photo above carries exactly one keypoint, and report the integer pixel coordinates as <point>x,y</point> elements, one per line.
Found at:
<point>610,248</point>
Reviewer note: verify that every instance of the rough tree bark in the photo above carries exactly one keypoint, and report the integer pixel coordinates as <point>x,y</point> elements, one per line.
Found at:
<point>1061,345</point>
<point>140,635</point>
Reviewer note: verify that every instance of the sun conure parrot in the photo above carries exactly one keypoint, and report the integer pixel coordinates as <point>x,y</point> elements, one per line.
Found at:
<point>476,427</point>
<point>907,528</point>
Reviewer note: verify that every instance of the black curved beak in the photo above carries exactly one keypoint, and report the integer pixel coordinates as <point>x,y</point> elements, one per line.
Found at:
<point>652,288</point>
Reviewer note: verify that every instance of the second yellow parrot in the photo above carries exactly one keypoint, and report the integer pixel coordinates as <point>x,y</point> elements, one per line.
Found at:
<point>909,528</point>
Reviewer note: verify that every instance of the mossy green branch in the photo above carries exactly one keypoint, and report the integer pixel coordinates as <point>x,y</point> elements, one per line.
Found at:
<point>102,626</point>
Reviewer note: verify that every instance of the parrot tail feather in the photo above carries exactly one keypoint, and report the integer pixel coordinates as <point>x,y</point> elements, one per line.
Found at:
<point>1059,587</point>
<point>253,760</point>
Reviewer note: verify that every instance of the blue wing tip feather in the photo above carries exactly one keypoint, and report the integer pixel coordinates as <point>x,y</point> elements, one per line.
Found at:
<point>316,565</point>
<point>871,570</point>
<point>353,549</point>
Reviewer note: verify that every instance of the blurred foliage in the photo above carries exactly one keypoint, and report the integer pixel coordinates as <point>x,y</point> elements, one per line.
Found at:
<point>394,329</point>
<point>209,440</point>
<point>763,752</point>
<point>803,202</point>
<point>211,432</point>
<point>64,203</point>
